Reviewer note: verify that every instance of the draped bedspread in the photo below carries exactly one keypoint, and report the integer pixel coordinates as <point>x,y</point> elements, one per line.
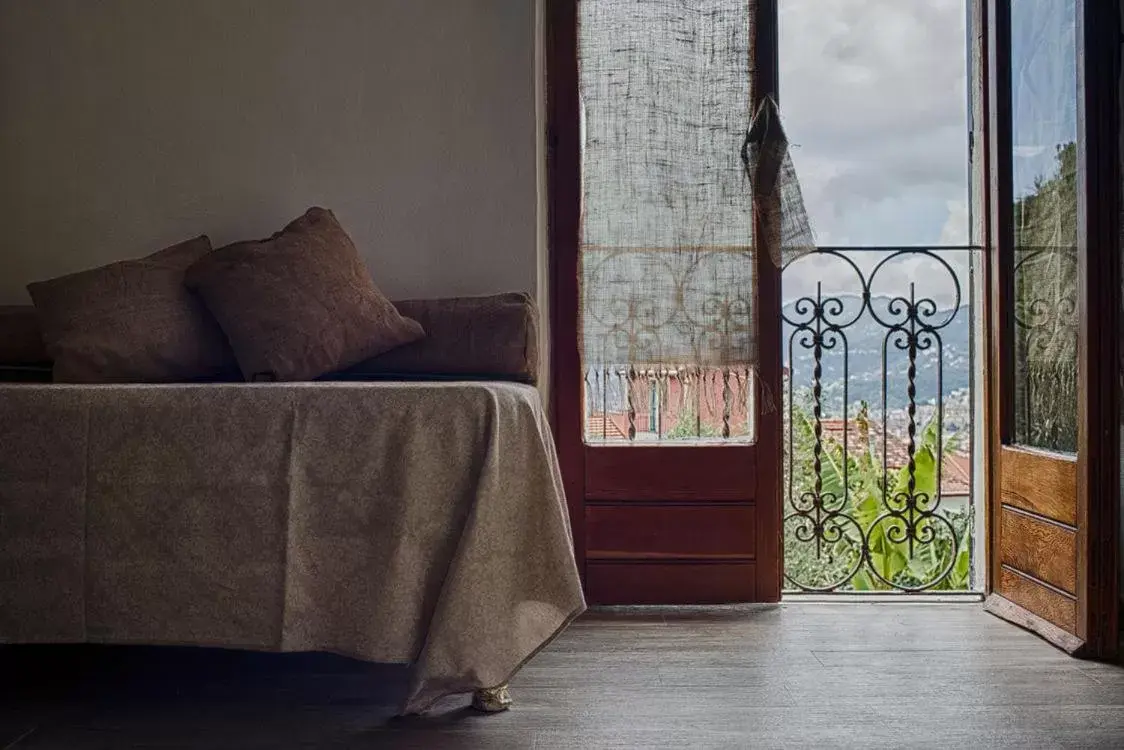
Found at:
<point>391,522</point>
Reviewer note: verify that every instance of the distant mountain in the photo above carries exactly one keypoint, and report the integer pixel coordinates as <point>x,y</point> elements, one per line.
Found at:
<point>865,340</point>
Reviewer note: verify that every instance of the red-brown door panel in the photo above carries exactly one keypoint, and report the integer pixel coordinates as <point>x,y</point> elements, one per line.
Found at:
<point>705,472</point>
<point>657,583</point>
<point>719,532</point>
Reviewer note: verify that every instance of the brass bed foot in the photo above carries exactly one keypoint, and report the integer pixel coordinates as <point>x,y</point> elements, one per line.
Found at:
<point>492,700</point>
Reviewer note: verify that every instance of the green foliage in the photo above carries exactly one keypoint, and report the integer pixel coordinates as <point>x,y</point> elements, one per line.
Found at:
<point>1045,302</point>
<point>687,426</point>
<point>865,501</point>
<point>1047,217</point>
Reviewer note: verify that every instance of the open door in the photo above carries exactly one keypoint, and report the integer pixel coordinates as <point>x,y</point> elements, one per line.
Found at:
<point>1053,279</point>
<point>665,321</point>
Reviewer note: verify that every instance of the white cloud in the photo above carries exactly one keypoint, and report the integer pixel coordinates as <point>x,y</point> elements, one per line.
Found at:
<point>955,230</point>
<point>874,95</point>
<point>940,276</point>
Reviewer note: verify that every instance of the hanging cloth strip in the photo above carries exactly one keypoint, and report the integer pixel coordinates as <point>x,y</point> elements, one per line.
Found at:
<point>783,218</point>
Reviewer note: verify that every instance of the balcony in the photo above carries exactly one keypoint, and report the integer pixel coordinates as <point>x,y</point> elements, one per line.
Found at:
<point>880,418</point>
<point>881,412</point>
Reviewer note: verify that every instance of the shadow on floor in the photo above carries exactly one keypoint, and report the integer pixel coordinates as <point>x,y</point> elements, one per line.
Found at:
<point>102,696</point>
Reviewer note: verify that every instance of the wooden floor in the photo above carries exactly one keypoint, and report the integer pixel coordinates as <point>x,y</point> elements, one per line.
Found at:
<point>801,675</point>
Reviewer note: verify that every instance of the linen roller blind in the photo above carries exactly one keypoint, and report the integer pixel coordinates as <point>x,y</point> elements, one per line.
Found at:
<point>671,157</point>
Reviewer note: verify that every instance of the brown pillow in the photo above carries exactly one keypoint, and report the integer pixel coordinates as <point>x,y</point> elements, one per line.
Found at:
<point>494,337</point>
<point>21,337</point>
<point>131,321</point>
<point>299,304</point>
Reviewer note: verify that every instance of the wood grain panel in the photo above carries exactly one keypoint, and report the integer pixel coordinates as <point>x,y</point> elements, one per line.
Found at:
<point>1006,609</point>
<point>663,531</point>
<point>1043,549</point>
<point>1042,483</point>
<point>1039,599</point>
<point>670,583</point>
<point>711,472</point>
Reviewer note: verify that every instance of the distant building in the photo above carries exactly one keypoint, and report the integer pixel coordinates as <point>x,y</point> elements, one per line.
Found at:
<point>655,404</point>
<point>956,468</point>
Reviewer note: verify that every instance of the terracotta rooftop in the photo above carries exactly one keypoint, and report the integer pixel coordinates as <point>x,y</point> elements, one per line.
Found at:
<point>956,469</point>
<point>611,426</point>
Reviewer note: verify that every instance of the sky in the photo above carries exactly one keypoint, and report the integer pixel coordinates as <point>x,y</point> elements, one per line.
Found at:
<point>873,96</point>
<point>874,99</point>
<point>1044,86</point>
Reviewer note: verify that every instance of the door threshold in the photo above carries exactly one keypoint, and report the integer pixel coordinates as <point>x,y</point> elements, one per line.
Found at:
<point>897,597</point>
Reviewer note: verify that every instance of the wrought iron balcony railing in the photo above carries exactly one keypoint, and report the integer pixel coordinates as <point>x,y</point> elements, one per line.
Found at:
<point>879,402</point>
<point>880,414</point>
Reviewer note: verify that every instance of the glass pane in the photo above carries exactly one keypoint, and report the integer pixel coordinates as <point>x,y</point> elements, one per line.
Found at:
<point>667,322</point>
<point>1044,181</point>
<point>875,103</point>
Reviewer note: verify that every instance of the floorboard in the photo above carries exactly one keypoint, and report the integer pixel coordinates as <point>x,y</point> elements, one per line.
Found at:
<point>846,675</point>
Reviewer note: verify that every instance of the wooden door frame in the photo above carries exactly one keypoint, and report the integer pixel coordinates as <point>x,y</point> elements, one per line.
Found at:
<point>1099,277</point>
<point>770,421</point>
<point>564,237</point>
<point>564,234</point>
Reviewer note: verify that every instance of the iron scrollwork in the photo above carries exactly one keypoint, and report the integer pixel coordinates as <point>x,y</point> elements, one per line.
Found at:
<point>668,342</point>
<point>1045,333</point>
<point>831,512</point>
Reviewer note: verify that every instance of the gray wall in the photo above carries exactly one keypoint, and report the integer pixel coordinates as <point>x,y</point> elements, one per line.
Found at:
<point>126,125</point>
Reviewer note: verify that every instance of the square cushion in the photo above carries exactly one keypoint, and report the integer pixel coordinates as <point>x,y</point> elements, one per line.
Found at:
<point>299,304</point>
<point>131,321</point>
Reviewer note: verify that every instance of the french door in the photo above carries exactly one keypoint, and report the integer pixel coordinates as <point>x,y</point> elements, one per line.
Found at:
<point>666,326</point>
<point>1054,281</point>
<point>666,355</point>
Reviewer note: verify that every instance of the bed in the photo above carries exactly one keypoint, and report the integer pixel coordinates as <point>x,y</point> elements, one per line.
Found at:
<point>394,522</point>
